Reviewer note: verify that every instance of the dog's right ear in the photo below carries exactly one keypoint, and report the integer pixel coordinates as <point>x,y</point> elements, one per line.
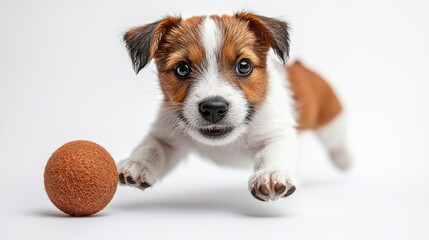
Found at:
<point>142,42</point>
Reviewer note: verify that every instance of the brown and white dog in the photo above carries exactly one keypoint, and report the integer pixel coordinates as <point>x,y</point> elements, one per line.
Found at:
<point>229,97</point>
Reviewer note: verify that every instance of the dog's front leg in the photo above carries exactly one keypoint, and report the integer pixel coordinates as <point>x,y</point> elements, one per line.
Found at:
<point>145,164</point>
<point>275,170</point>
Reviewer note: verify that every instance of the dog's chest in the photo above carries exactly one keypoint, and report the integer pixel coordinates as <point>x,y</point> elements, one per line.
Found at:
<point>237,155</point>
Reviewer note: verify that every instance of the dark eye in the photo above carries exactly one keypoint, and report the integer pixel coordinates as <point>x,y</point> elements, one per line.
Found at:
<point>244,67</point>
<point>182,70</point>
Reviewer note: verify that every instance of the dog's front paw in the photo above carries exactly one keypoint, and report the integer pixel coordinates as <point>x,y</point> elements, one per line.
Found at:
<point>137,174</point>
<point>272,184</point>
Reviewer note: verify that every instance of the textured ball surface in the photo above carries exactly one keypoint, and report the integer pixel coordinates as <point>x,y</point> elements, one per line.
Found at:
<point>80,178</point>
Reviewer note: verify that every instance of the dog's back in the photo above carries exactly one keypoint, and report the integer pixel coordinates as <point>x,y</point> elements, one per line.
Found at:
<point>317,104</point>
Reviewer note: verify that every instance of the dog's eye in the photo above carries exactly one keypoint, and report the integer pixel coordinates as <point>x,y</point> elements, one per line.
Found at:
<point>182,70</point>
<point>244,67</point>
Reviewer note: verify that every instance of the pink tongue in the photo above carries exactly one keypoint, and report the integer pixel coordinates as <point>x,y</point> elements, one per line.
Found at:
<point>215,128</point>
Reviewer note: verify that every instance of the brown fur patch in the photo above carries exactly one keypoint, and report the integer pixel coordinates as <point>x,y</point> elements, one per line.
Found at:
<point>317,102</point>
<point>239,42</point>
<point>182,43</point>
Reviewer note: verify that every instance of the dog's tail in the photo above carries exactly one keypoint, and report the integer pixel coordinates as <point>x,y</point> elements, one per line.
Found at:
<point>319,109</point>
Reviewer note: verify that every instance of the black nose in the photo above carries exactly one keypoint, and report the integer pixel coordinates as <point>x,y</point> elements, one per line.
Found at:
<point>213,109</point>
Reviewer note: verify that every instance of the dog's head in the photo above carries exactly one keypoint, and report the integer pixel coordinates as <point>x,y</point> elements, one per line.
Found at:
<point>212,69</point>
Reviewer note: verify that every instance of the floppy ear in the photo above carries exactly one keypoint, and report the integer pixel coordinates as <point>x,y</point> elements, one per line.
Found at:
<point>271,31</point>
<point>142,42</point>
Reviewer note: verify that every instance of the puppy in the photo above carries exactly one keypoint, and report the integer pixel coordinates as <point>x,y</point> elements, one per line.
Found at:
<point>229,97</point>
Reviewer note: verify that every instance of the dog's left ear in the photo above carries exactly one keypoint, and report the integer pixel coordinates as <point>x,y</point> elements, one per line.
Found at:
<point>143,42</point>
<point>271,31</point>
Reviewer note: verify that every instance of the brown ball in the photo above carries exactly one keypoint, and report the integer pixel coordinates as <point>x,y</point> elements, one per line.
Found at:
<point>80,178</point>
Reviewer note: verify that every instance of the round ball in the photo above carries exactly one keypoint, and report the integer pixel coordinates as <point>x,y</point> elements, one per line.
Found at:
<point>80,178</point>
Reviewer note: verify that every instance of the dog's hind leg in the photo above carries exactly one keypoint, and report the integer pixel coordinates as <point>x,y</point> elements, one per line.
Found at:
<point>334,136</point>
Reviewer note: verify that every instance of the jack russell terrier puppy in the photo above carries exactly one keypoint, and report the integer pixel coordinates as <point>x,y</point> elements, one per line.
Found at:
<point>229,97</point>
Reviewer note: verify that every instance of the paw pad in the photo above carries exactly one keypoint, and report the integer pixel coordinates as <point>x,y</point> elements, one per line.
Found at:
<point>136,174</point>
<point>266,185</point>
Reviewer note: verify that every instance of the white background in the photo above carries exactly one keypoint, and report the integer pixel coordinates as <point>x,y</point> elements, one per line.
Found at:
<point>65,75</point>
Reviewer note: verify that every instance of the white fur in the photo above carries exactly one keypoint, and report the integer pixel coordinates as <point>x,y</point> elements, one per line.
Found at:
<point>334,136</point>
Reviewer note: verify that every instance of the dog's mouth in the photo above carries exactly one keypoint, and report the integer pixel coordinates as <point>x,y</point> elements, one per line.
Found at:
<point>215,131</point>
